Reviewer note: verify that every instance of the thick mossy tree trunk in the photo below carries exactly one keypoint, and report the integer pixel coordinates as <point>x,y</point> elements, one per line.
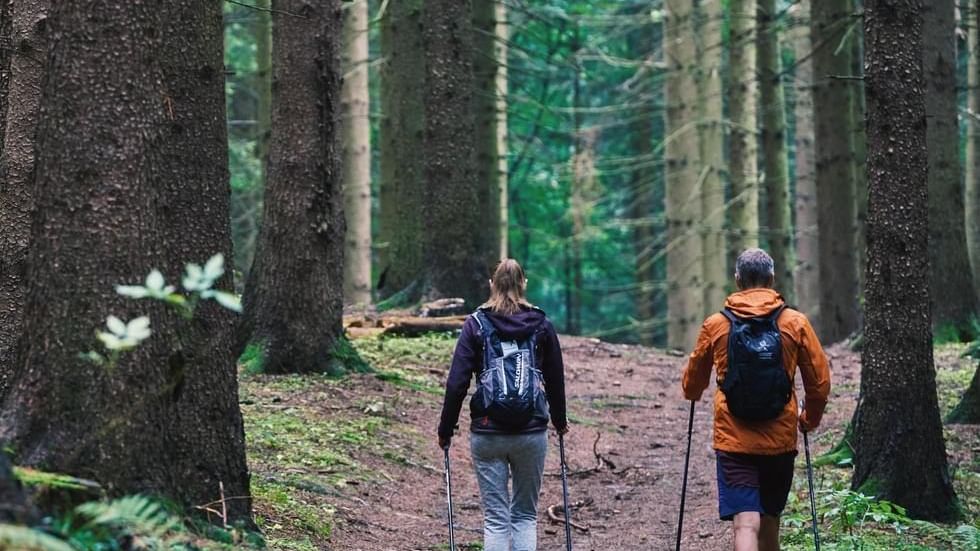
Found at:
<point>24,59</point>
<point>779,221</point>
<point>485,115</point>
<point>971,193</point>
<point>355,99</point>
<point>293,300</point>
<point>901,454</point>
<point>682,207</point>
<point>806,278</point>
<point>743,144</point>
<point>953,299</point>
<point>401,163</point>
<point>114,119</point>
<point>711,134</point>
<point>836,202</point>
<point>455,263</point>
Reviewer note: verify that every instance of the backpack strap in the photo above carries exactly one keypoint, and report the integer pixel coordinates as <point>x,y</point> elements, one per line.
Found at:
<point>773,316</point>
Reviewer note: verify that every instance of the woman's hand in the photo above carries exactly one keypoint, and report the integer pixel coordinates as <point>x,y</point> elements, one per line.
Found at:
<point>562,431</point>
<point>444,443</point>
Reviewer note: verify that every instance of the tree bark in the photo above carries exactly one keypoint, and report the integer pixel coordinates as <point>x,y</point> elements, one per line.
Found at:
<point>293,299</point>
<point>953,299</point>
<point>859,147</point>
<point>26,25</point>
<point>356,142</point>
<point>502,32</point>
<point>836,203</point>
<point>402,169</point>
<point>708,38</point>
<point>806,278</point>
<point>971,193</point>
<point>455,261</point>
<point>682,207</point>
<point>901,454</point>
<point>486,136</point>
<point>5,54</point>
<point>779,223</point>
<point>743,146</point>
<point>114,124</point>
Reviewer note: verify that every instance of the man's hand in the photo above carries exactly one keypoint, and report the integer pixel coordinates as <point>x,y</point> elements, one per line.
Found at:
<point>801,415</point>
<point>444,443</point>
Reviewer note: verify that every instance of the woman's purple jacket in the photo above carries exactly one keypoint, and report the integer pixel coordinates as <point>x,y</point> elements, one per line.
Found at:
<point>468,362</point>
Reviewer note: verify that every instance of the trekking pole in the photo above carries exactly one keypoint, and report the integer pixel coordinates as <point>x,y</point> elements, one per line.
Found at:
<point>687,459</point>
<point>809,479</point>
<point>449,501</point>
<point>564,492</point>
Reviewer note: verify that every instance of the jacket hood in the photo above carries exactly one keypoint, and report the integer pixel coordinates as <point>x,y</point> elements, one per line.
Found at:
<point>752,303</point>
<point>516,326</point>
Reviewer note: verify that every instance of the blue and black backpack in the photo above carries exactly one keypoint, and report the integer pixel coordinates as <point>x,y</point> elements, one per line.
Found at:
<point>756,385</point>
<point>510,387</point>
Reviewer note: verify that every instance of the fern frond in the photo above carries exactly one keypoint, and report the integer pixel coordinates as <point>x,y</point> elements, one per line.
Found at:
<point>13,536</point>
<point>32,477</point>
<point>140,514</point>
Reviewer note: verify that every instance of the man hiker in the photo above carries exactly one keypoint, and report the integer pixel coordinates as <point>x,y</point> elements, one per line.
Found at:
<point>756,345</point>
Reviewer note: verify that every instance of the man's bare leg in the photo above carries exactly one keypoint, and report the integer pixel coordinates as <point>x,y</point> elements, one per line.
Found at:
<point>769,533</point>
<point>747,531</point>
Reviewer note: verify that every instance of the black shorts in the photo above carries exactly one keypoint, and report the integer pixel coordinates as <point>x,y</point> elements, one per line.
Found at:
<point>748,482</point>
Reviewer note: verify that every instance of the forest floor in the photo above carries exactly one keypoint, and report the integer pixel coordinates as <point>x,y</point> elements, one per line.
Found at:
<point>352,464</point>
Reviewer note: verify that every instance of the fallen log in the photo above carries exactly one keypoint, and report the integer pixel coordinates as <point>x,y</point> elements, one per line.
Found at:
<point>414,327</point>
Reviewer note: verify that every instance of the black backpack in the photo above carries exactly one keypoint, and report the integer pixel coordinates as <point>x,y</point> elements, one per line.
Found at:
<point>510,385</point>
<point>756,385</point>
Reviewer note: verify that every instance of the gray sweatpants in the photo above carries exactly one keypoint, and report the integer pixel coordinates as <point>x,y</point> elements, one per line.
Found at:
<point>509,518</point>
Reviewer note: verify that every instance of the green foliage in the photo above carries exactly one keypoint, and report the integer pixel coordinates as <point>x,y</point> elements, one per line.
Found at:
<point>344,358</point>
<point>13,536</point>
<point>409,362</point>
<point>41,479</point>
<point>252,359</point>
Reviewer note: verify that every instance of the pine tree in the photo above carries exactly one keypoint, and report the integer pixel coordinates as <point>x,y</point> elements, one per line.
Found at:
<point>293,298</point>
<point>485,112</point>
<point>743,149</point>
<point>900,452</point>
<point>971,193</point>
<point>708,38</point>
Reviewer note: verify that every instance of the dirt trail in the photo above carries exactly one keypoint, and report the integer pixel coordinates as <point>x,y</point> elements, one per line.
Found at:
<point>628,396</point>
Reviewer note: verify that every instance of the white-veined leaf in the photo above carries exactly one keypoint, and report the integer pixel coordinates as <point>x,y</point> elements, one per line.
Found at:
<point>116,325</point>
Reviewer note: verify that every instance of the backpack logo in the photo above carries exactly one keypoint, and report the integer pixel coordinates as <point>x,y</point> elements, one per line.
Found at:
<point>510,386</point>
<point>756,385</point>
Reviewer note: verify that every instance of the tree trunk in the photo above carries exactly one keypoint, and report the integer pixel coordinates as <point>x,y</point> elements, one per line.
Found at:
<point>5,55</point>
<point>806,278</point>
<point>293,299</point>
<point>836,203</point>
<point>780,224</point>
<point>402,169</point>
<point>578,206</point>
<point>26,23</point>
<point>643,183</point>
<point>953,299</point>
<point>711,136</point>
<point>682,205</point>
<point>356,155</point>
<point>110,201</point>
<point>967,411</point>
<point>901,454</point>
<point>502,32</point>
<point>972,189</point>
<point>486,136</point>
<point>859,148</point>
<point>455,262</point>
<point>743,146</point>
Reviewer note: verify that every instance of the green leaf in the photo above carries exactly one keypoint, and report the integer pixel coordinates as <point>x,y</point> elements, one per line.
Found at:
<point>228,300</point>
<point>132,291</point>
<point>116,325</point>
<point>155,282</point>
<point>29,539</point>
<point>215,267</point>
<point>138,328</point>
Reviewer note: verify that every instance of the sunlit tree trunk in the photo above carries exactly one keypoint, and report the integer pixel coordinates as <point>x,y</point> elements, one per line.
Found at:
<point>743,146</point>
<point>23,67</point>
<point>953,299</point>
<point>836,201</point>
<point>682,204</point>
<point>806,279</point>
<point>901,454</point>
<point>356,143</point>
<point>771,97</point>
<point>972,189</point>
<point>711,135</point>
<point>293,298</point>
<point>502,32</point>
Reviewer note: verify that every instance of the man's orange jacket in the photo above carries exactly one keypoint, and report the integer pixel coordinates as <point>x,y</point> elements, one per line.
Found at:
<point>800,347</point>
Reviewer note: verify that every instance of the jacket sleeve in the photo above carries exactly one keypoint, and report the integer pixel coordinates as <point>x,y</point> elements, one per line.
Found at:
<point>553,369</point>
<point>697,375</point>
<point>466,361</point>
<point>815,372</point>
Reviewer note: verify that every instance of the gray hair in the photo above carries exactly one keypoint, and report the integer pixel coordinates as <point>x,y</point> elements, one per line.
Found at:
<point>754,268</point>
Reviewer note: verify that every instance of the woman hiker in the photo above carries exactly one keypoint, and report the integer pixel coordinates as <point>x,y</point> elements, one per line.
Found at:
<point>512,349</point>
